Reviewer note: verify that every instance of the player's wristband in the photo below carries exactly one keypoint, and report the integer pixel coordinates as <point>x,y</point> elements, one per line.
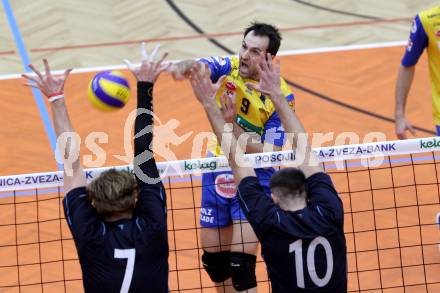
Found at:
<point>56,96</point>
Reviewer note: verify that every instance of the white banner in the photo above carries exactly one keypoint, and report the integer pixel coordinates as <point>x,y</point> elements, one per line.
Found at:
<point>216,164</point>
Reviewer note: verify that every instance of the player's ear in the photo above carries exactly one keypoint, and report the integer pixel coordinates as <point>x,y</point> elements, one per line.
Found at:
<point>136,193</point>
<point>275,198</point>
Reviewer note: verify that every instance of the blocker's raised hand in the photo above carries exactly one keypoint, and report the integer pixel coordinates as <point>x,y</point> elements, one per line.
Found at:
<point>229,108</point>
<point>47,83</point>
<point>149,70</point>
<point>202,85</point>
<point>270,83</point>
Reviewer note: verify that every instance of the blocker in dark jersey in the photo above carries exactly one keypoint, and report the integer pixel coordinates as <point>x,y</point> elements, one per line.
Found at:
<point>305,250</point>
<point>129,255</point>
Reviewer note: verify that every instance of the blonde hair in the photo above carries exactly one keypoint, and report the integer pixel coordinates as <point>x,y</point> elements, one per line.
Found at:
<point>113,192</point>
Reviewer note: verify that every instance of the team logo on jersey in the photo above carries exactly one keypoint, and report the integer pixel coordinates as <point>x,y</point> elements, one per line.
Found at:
<point>225,185</point>
<point>414,27</point>
<point>291,101</point>
<point>230,86</point>
<point>230,89</point>
<point>220,60</point>
<point>409,45</point>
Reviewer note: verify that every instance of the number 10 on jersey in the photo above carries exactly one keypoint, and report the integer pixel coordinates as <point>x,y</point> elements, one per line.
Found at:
<point>297,248</point>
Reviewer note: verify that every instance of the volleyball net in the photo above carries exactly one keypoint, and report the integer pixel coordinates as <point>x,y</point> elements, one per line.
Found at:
<point>390,192</point>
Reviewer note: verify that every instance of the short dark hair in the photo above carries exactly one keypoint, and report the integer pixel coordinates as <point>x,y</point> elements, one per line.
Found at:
<point>266,30</point>
<point>288,181</point>
<point>113,192</point>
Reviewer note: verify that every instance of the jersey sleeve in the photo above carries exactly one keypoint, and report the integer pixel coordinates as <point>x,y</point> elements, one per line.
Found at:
<point>218,65</point>
<point>151,203</point>
<point>259,209</point>
<point>81,216</point>
<point>417,42</point>
<point>151,206</point>
<point>324,198</point>
<point>273,132</point>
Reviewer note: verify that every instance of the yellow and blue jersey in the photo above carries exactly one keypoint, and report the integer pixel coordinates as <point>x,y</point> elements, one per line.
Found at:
<point>255,112</point>
<point>425,33</point>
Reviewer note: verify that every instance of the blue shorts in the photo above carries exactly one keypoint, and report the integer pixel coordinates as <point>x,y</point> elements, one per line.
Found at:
<point>437,127</point>
<point>219,201</point>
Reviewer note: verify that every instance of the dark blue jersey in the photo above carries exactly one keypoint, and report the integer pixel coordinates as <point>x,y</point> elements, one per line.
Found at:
<point>304,251</point>
<point>129,255</point>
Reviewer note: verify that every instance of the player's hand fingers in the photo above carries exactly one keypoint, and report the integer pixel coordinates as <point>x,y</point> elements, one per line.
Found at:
<point>252,85</point>
<point>232,99</point>
<point>263,64</point>
<point>144,55</point>
<point>223,102</point>
<point>153,54</point>
<point>165,66</point>
<point>400,132</point>
<point>164,56</point>
<point>159,63</point>
<point>206,70</point>
<point>231,102</point>
<point>29,78</point>
<point>259,69</point>
<point>130,66</point>
<point>204,79</point>
<point>194,74</point>
<point>220,81</point>
<point>228,102</point>
<point>197,68</point>
<point>33,85</point>
<point>64,78</point>
<point>66,73</point>
<point>269,61</point>
<point>38,73</point>
<point>46,67</point>
<point>277,67</point>
<point>401,135</point>
<point>411,129</point>
<point>196,88</point>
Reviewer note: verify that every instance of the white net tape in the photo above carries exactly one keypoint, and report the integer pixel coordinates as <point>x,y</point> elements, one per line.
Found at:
<point>375,151</point>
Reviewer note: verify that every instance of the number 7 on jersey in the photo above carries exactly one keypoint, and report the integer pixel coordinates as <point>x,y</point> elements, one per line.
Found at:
<point>130,255</point>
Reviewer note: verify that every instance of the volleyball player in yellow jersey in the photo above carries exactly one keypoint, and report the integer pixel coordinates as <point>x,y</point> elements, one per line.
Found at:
<point>425,33</point>
<point>221,217</point>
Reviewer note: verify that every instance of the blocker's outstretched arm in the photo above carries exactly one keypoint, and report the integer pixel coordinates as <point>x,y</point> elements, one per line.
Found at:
<point>269,84</point>
<point>67,140</point>
<point>205,92</point>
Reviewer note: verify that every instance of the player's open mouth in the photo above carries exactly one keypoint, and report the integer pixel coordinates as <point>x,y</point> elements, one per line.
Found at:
<point>243,65</point>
